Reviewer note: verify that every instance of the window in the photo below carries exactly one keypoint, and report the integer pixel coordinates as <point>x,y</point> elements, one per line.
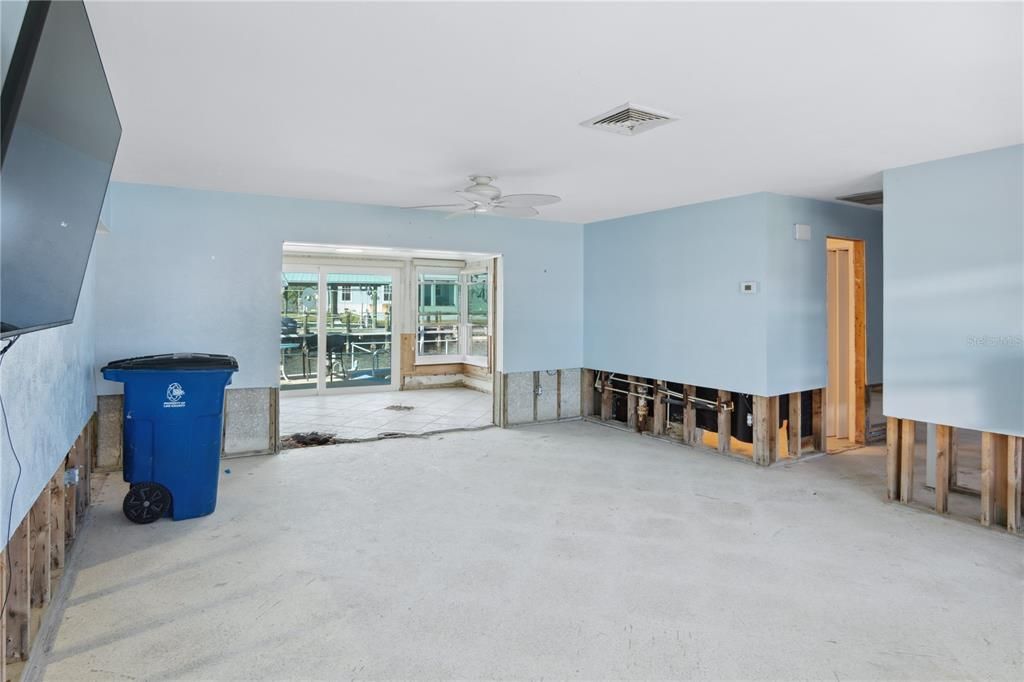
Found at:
<point>345,293</point>
<point>387,294</point>
<point>453,316</point>
<point>477,294</point>
<point>439,315</point>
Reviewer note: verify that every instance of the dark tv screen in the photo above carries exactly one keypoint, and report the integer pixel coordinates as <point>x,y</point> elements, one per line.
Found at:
<point>60,135</point>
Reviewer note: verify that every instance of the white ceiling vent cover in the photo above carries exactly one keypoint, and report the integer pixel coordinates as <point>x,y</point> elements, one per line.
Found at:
<point>629,119</point>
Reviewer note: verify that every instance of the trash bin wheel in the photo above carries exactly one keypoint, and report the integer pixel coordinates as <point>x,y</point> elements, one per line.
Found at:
<point>146,502</point>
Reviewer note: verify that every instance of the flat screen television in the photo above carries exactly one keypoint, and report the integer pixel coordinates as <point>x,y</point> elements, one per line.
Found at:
<point>60,134</point>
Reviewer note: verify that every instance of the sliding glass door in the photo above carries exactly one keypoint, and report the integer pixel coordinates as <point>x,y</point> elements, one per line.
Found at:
<point>337,328</point>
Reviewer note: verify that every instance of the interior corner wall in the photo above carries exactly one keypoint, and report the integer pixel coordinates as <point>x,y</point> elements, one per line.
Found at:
<point>794,290</point>
<point>954,295</point>
<point>49,395</point>
<point>199,271</point>
<point>663,294</point>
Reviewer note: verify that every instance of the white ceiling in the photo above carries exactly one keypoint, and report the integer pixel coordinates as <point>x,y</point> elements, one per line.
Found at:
<point>388,103</point>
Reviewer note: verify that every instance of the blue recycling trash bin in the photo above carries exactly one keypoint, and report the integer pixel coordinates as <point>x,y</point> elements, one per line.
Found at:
<point>173,414</point>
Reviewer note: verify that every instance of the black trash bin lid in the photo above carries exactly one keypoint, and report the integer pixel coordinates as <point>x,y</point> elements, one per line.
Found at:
<point>176,361</point>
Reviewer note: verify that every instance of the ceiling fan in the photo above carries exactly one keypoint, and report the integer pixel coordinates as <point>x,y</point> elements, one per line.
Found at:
<point>483,198</point>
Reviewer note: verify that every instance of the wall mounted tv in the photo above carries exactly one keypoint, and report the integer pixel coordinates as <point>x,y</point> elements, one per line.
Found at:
<point>60,134</point>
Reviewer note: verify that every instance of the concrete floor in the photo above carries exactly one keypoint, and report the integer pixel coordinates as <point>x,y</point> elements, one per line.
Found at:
<point>565,550</point>
<point>365,415</point>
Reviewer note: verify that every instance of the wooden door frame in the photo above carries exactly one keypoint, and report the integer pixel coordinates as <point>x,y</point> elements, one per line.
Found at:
<point>860,366</point>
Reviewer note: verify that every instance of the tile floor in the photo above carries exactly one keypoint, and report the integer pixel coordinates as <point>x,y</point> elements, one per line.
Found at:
<point>365,415</point>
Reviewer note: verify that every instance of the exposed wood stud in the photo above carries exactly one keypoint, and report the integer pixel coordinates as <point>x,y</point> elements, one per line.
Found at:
<point>606,397</point>
<point>57,519</point>
<point>954,456</point>
<point>18,599</point>
<point>795,440</point>
<point>587,392</point>
<point>39,537</point>
<point>1001,471</point>
<point>907,443</point>
<point>943,446</point>
<point>892,458</point>
<point>660,410</point>
<point>817,420</point>
<point>70,507</point>
<point>689,417</point>
<point>859,344</point>
<point>988,480</point>
<point>1014,462</point>
<point>724,423</point>
<point>631,418</point>
<point>773,429</point>
<point>762,442</point>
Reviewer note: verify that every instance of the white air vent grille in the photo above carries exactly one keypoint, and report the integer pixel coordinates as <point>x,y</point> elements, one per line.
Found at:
<point>864,198</point>
<point>628,119</point>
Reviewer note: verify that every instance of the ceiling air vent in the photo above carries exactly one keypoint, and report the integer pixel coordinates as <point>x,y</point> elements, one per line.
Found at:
<point>864,198</point>
<point>628,119</point>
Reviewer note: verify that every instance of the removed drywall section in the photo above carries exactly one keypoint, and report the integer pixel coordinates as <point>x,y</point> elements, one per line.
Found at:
<point>794,289</point>
<point>954,292</point>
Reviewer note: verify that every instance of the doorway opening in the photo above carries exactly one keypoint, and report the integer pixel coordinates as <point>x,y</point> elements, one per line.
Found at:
<point>845,394</point>
<point>359,323</point>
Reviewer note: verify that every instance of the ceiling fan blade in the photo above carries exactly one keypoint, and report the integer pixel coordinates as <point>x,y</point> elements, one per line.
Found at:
<point>438,207</point>
<point>513,211</point>
<point>528,200</point>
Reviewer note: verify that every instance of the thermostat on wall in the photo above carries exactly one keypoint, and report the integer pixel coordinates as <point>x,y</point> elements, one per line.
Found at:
<point>748,287</point>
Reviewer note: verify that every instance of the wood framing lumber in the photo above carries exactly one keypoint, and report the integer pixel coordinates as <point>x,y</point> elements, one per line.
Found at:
<point>39,538</point>
<point>19,594</point>
<point>943,451</point>
<point>817,420</point>
<point>892,458</point>
<point>1014,462</point>
<point>907,443</point>
<point>660,410</point>
<point>587,392</point>
<point>988,479</point>
<point>794,425</point>
<point>724,422</point>
<point>762,442</point>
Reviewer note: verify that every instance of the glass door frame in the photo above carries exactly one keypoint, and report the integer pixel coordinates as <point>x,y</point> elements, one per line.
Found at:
<point>324,267</point>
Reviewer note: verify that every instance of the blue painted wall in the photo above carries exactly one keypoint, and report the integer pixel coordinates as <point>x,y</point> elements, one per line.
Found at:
<point>797,318</point>
<point>954,296</point>
<point>197,270</point>
<point>673,309</point>
<point>662,294</point>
